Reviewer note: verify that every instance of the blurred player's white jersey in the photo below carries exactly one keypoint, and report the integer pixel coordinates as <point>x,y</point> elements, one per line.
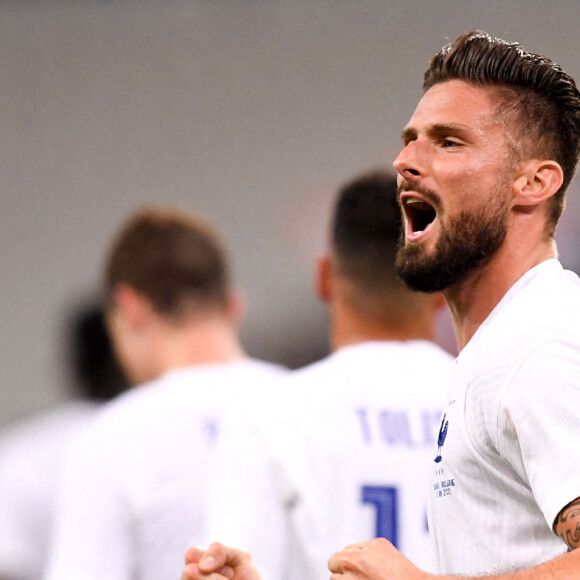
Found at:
<point>342,456</point>
<point>508,456</point>
<point>31,462</point>
<point>134,496</point>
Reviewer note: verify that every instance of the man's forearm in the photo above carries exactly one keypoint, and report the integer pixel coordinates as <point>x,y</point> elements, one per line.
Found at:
<point>567,524</point>
<point>565,567</point>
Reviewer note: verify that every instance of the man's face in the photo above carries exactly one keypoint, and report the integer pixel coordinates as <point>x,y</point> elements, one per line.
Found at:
<point>455,173</point>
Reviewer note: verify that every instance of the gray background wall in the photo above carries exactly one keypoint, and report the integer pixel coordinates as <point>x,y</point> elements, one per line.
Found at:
<point>250,111</point>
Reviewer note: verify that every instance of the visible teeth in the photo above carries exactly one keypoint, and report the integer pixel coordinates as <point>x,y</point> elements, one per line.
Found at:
<point>419,204</point>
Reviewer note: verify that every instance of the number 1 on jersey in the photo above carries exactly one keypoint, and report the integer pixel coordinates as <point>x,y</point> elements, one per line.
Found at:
<point>385,500</point>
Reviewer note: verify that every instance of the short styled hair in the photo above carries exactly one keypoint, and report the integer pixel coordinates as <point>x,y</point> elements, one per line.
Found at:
<point>175,260</point>
<point>535,94</point>
<point>365,232</point>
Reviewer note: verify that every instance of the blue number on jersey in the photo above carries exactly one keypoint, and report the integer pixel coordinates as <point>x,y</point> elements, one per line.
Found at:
<point>385,500</point>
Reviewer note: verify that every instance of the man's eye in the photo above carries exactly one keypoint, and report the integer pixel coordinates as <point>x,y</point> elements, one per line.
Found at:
<point>449,143</point>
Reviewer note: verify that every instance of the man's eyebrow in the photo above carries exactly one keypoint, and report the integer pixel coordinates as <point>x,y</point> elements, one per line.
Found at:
<point>439,130</point>
<point>449,128</point>
<point>408,134</point>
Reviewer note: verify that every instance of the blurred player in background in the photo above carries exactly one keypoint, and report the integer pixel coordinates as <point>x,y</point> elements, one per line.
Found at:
<point>136,481</point>
<point>487,157</point>
<point>342,453</point>
<point>32,452</point>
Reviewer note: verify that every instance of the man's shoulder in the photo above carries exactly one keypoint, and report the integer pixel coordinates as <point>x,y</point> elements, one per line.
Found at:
<point>52,424</point>
<point>539,321</point>
<point>543,305</point>
<point>372,359</point>
<point>178,400</point>
<point>40,442</point>
<point>379,374</point>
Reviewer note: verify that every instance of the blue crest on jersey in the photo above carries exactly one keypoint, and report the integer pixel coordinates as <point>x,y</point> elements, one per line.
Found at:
<point>441,437</point>
<point>210,427</point>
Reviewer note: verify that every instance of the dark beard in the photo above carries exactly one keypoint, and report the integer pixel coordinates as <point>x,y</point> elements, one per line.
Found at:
<point>465,243</point>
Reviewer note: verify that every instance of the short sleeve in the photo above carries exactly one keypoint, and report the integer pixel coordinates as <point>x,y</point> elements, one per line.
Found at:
<point>539,425</point>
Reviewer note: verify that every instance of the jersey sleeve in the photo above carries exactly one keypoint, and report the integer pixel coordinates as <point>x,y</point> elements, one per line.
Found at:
<point>247,493</point>
<point>539,425</point>
<point>90,537</point>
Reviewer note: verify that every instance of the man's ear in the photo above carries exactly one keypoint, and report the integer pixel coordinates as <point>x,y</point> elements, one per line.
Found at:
<point>324,273</point>
<point>438,301</point>
<point>537,180</point>
<point>236,307</point>
<point>130,305</point>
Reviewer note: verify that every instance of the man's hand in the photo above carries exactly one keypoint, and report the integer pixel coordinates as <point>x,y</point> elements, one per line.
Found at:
<point>374,560</point>
<point>219,563</point>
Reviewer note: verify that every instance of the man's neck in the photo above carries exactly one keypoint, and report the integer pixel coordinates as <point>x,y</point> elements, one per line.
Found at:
<point>200,343</point>
<point>472,300</point>
<point>348,328</point>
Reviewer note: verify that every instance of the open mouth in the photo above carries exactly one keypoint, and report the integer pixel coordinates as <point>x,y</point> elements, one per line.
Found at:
<point>419,213</point>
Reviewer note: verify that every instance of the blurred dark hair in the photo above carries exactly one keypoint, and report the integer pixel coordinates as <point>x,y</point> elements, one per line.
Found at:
<point>365,231</point>
<point>97,374</point>
<point>538,99</point>
<point>365,237</point>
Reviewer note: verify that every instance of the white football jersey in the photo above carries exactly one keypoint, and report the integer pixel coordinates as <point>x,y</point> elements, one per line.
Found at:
<point>508,454</point>
<point>134,495</point>
<point>32,454</point>
<point>340,457</point>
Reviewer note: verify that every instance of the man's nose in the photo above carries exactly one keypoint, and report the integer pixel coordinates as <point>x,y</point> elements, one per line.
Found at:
<point>408,164</point>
